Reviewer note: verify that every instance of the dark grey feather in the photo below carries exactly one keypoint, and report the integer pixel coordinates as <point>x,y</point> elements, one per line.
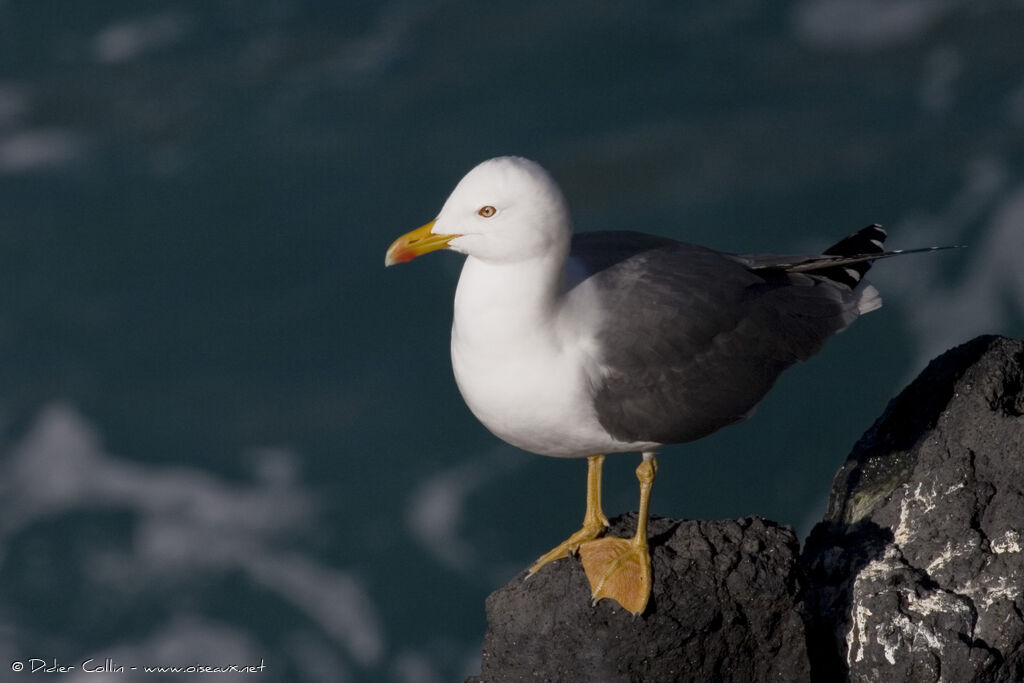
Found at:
<point>694,338</point>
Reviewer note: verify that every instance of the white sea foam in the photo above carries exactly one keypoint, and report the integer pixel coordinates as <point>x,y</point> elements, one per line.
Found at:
<point>34,149</point>
<point>414,667</point>
<point>317,659</point>
<point>867,24</point>
<point>188,525</point>
<point>436,508</point>
<point>943,69</point>
<point>336,600</point>
<point>125,40</point>
<point>182,641</point>
<point>988,295</point>
<point>14,104</point>
<point>383,43</point>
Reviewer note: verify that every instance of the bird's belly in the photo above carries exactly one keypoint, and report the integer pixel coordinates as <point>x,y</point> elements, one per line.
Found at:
<point>537,402</point>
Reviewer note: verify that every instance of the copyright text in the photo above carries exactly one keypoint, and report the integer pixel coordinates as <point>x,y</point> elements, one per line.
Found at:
<point>37,665</point>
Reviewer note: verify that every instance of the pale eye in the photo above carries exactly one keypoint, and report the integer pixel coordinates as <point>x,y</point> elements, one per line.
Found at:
<point>487,211</point>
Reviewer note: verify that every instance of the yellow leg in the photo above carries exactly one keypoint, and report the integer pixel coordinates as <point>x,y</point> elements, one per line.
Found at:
<point>594,521</point>
<point>620,568</point>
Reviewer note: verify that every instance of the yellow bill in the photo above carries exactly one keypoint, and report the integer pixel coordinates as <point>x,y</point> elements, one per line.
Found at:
<point>416,243</point>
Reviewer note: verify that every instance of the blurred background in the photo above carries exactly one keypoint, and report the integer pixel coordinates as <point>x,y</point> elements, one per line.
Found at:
<point>228,435</point>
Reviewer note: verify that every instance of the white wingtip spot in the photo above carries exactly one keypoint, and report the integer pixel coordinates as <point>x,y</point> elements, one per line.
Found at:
<point>870,300</point>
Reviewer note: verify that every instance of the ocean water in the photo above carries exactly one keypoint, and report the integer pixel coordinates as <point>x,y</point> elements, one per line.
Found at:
<point>230,437</point>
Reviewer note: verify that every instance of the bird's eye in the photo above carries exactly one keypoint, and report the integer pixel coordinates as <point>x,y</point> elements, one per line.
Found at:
<point>487,211</point>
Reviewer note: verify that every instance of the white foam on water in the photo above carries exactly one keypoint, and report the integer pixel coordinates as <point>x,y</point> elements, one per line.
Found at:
<point>125,40</point>
<point>36,149</point>
<point>988,295</point>
<point>866,25</point>
<point>184,640</point>
<point>189,525</point>
<point>437,507</point>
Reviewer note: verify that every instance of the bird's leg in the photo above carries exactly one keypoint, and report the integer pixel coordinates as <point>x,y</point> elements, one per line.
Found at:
<point>620,568</point>
<point>594,521</point>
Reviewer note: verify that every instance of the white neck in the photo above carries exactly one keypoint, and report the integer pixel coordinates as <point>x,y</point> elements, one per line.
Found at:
<point>497,304</point>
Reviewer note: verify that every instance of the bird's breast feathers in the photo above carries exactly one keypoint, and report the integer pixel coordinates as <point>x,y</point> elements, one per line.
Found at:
<point>532,394</point>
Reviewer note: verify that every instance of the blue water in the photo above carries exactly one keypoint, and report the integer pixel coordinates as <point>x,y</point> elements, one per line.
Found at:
<point>229,436</point>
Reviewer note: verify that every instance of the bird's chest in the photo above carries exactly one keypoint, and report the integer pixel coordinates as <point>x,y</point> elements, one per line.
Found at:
<point>528,392</point>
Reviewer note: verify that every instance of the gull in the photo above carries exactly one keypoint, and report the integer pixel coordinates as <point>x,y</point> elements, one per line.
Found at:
<point>580,345</point>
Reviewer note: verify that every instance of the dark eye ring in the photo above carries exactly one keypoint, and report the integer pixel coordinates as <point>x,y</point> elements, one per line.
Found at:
<point>487,211</point>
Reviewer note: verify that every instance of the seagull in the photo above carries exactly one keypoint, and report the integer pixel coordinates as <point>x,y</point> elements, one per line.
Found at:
<point>580,345</point>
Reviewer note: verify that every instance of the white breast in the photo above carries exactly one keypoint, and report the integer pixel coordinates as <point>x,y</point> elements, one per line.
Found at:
<point>525,365</point>
<point>533,398</point>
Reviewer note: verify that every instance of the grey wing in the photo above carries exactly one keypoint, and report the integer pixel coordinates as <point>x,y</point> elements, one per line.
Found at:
<point>692,339</point>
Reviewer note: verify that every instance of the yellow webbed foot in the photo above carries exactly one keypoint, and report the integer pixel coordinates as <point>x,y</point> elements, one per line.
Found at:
<point>594,521</point>
<point>619,569</point>
<point>589,532</point>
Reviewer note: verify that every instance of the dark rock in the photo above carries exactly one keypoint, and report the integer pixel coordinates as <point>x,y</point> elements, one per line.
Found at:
<point>915,574</point>
<point>917,571</point>
<point>723,608</point>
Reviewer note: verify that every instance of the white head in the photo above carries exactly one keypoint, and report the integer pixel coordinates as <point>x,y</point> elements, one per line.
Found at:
<point>506,209</point>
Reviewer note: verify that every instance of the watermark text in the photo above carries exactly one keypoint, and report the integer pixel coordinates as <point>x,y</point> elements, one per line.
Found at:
<point>37,665</point>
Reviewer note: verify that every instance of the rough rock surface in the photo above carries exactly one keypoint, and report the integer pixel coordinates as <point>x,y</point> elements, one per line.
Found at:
<point>723,608</point>
<point>916,573</point>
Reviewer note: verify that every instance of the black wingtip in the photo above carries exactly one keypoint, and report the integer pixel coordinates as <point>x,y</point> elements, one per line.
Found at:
<point>864,242</point>
<point>869,240</point>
